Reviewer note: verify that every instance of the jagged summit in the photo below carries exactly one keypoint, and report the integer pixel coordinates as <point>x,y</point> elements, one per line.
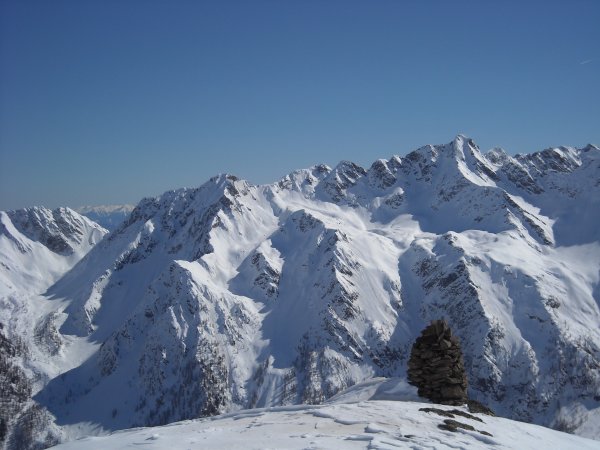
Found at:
<point>60,230</point>
<point>233,295</point>
<point>37,245</point>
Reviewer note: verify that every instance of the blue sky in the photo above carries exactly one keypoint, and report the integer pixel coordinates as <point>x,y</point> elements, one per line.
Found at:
<point>110,101</point>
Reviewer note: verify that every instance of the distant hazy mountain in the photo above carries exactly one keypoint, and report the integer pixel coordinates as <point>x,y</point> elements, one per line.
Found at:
<point>233,296</point>
<point>108,216</point>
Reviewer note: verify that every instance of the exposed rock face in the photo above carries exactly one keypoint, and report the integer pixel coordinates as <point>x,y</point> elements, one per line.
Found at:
<point>23,423</point>
<point>39,245</point>
<point>436,365</point>
<point>61,230</point>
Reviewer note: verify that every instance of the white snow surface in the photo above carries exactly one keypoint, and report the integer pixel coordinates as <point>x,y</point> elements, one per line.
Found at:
<point>234,296</point>
<point>372,415</point>
<point>37,247</point>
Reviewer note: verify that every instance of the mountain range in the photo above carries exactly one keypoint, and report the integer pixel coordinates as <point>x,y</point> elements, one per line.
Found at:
<point>231,295</point>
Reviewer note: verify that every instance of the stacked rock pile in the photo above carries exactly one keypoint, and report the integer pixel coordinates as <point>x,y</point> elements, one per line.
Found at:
<point>436,366</point>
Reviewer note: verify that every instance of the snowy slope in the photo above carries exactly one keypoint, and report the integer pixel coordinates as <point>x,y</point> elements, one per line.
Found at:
<point>230,295</point>
<point>37,246</point>
<point>107,216</point>
<point>370,416</point>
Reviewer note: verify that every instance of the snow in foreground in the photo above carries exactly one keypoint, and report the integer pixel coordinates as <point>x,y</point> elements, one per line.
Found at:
<point>387,420</point>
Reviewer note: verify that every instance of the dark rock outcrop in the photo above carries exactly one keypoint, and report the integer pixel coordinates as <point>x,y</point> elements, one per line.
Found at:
<point>436,365</point>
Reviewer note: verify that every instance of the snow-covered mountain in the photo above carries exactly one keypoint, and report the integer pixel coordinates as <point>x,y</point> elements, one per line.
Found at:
<point>37,247</point>
<point>378,414</point>
<point>108,216</point>
<point>232,295</point>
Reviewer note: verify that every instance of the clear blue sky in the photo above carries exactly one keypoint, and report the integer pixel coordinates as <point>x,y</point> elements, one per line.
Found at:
<point>110,101</point>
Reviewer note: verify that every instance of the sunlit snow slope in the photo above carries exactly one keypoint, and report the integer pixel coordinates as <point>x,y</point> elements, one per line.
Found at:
<point>37,247</point>
<point>374,415</point>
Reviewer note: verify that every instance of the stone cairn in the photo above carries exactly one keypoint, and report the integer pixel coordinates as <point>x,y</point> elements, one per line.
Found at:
<point>436,366</point>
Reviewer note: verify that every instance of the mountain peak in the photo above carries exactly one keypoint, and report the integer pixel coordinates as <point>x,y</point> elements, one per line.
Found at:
<point>51,241</point>
<point>590,147</point>
<point>60,229</point>
<point>223,178</point>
